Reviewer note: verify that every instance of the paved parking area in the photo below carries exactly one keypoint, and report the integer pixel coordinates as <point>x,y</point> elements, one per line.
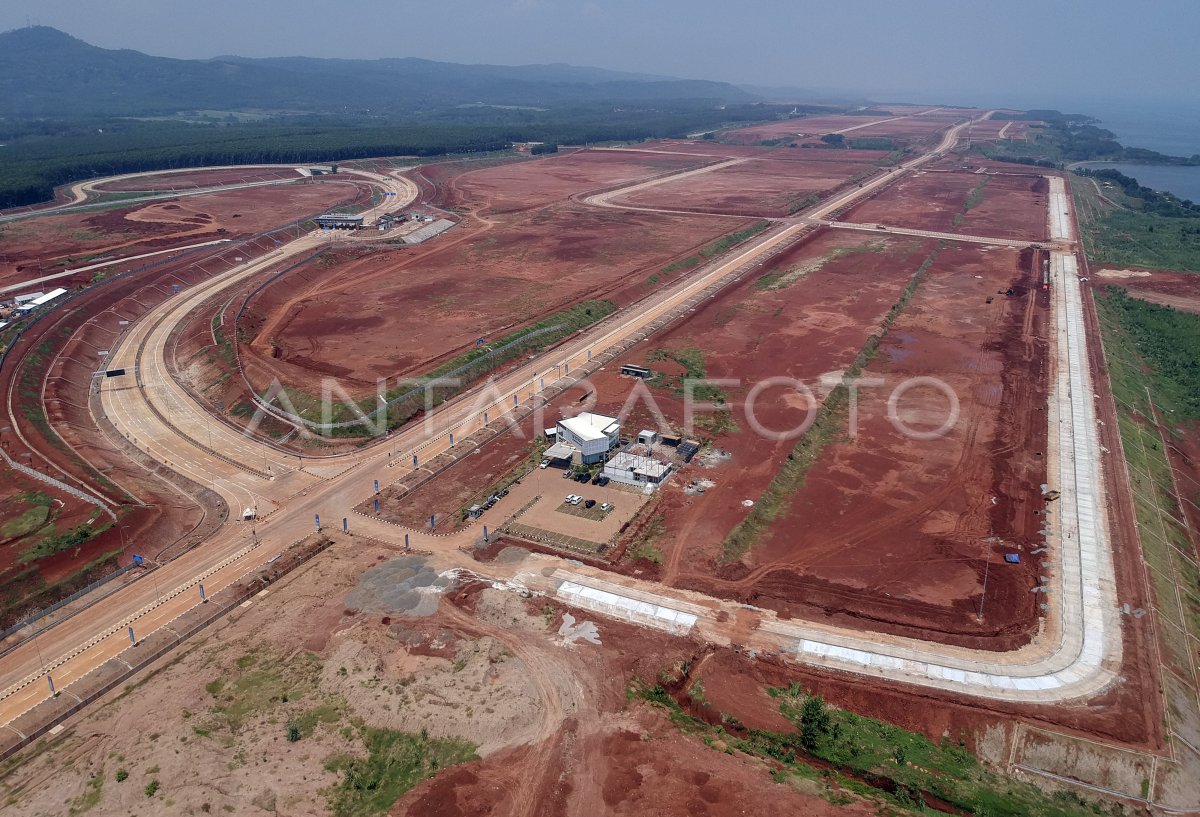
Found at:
<point>546,514</point>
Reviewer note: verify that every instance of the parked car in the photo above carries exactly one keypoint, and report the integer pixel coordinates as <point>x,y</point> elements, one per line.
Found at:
<point>606,507</point>
<point>583,478</point>
<point>603,481</point>
<point>575,500</point>
<point>566,474</point>
<point>591,503</point>
<point>544,464</point>
<point>596,479</point>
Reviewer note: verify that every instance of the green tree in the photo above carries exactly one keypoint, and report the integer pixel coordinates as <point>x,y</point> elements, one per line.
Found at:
<point>814,722</point>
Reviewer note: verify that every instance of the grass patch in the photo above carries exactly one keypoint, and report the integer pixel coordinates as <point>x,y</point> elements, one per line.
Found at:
<point>871,758</point>
<point>1137,338</point>
<point>395,762</point>
<point>260,683</point>
<point>694,366</point>
<point>28,521</point>
<point>59,542</point>
<point>872,143</point>
<point>717,247</point>
<point>826,428</point>
<point>1168,342</point>
<point>90,797</point>
<point>1121,236</point>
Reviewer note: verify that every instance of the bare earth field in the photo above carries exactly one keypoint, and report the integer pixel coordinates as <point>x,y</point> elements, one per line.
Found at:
<point>715,151</point>
<point>187,180</point>
<point>898,530</point>
<point>912,129</point>
<point>971,203</point>
<point>757,187</point>
<point>543,724</point>
<point>529,185</point>
<point>54,243</point>
<point>399,312</point>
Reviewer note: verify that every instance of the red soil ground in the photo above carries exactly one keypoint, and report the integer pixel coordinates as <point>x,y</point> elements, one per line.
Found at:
<point>1011,206</point>
<point>919,566</point>
<point>488,276</point>
<point>715,151</point>
<point>529,185</point>
<point>896,529</point>
<point>758,187</point>
<point>19,578</point>
<point>160,515</point>
<point>612,756</point>
<point>455,488</point>
<point>923,128</point>
<point>188,180</point>
<point>1179,290</point>
<point>42,246</point>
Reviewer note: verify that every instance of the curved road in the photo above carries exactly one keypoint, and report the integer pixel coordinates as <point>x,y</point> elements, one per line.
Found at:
<point>1076,656</point>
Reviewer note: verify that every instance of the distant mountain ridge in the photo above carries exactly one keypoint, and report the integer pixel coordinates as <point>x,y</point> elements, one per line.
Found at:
<point>45,73</point>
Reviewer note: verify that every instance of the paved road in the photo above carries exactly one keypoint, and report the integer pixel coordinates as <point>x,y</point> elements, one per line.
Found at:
<point>1062,664</point>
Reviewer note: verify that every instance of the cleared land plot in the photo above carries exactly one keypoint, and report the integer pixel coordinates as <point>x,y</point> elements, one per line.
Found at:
<point>911,128</point>
<point>717,151</point>
<point>971,203</point>
<point>896,529</point>
<point>757,187</point>
<point>1179,290</point>
<point>807,313</point>
<point>401,312</point>
<point>41,246</point>
<point>200,178</point>
<point>528,185</point>
<point>805,126</point>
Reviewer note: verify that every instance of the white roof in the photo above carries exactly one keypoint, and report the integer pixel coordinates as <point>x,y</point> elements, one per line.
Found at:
<point>44,299</point>
<point>559,451</point>
<point>588,426</point>
<point>32,296</point>
<point>645,432</point>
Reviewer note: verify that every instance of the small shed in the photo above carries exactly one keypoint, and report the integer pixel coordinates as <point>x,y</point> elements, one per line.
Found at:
<point>647,437</point>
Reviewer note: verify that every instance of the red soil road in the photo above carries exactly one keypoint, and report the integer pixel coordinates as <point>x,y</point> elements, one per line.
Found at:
<point>35,247</point>
<point>188,180</point>
<point>759,187</point>
<point>1011,206</point>
<point>359,321</point>
<point>893,529</point>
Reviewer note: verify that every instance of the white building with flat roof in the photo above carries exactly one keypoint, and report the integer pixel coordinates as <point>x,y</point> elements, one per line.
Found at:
<point>592,435</point>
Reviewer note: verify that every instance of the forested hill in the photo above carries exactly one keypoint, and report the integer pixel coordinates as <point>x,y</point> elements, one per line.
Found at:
<point>45,73</point>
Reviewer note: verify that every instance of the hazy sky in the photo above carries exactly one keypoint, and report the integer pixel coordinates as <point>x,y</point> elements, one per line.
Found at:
<point>1020,52</point>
